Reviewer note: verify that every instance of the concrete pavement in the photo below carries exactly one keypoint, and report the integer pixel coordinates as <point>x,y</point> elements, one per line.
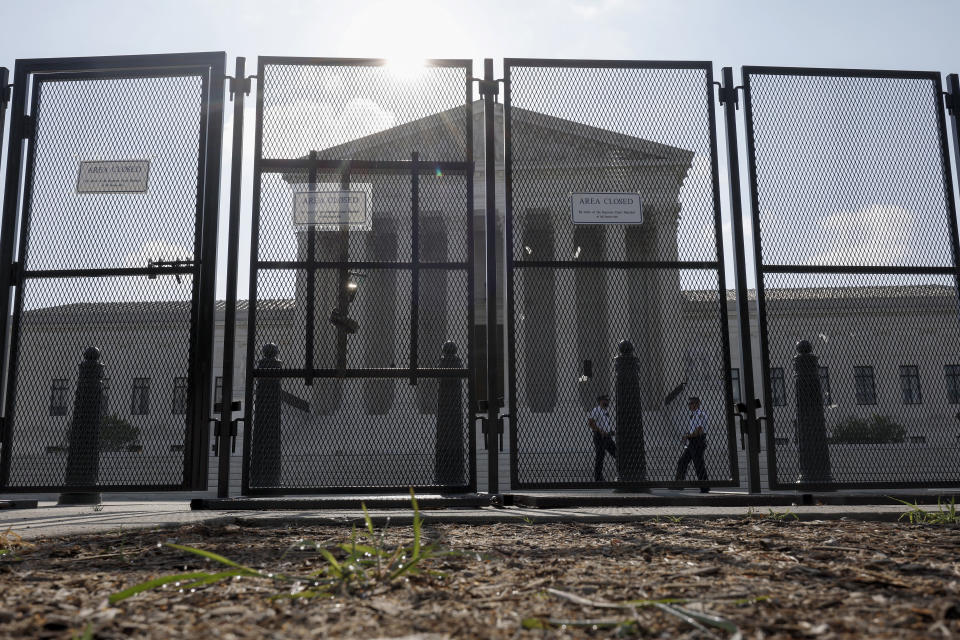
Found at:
<point>50,520</point>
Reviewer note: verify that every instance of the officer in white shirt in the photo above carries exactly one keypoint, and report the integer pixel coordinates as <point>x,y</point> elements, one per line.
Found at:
<point>599,422</point>
<point>696,437</point>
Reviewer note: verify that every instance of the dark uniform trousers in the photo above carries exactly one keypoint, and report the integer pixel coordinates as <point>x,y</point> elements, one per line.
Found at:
<point>693,453</point>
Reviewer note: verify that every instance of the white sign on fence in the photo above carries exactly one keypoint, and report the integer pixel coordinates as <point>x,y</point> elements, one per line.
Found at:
<point>113,176</point>
<point>606,208</point>
<point>327,210</point>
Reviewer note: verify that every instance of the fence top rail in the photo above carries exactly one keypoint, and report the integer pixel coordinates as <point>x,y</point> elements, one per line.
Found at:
<point>356,62</point>
<point>115,63</point>
<point>749,70</point>
<point>62,75</point>
<point>608,64</point>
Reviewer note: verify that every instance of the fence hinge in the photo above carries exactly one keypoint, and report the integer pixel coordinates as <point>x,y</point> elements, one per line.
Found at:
<point>952,100</point>
<point>239,84</point>
<point>27,127</point>
<point>14,273</point>
<point>724,94</point>
<point>488,87</point>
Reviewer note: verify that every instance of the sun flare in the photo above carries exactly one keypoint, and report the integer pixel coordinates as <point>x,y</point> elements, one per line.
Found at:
<point>406,68</point>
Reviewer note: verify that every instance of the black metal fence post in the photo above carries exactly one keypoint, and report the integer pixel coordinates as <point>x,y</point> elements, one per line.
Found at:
<point>631,456</point>
<point>812,446</point>
<point>488,89</point>
<point>83,452</point>
<point>953,106</point>
<point>449,446</point>
<point>239,86</point>
<point>728,97</point>
<point>266,422</point>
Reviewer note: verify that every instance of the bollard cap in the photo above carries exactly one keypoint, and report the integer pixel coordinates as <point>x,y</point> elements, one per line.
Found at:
<point>625,348</point>
<point>449,348</point>
<point>804,347</point>
<point>270,351</point>
<point>92,354</point>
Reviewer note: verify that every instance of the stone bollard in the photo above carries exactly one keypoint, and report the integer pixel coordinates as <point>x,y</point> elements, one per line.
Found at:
<point>265,463</point>
<point>812,449</point>
<point>83,453</point>
<point>631,457</point>
<point>449,445</point>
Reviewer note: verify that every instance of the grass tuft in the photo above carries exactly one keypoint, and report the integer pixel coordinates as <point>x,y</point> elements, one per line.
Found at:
<point>782,516</point>
<point>946,512</point>
<point>356,566</point>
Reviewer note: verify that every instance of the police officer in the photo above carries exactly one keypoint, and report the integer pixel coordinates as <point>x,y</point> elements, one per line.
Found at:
<point>599,422</point>
<point>696,438</point>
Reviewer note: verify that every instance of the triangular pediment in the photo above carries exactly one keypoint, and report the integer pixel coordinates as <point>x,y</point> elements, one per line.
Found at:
<point>559,142</point>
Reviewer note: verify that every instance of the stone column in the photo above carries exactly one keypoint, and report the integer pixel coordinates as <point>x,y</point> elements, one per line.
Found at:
<point>381,303</point>
<point>539,323</point>
<point>812,449</point>
<point>590,307</point>
<point>432,319</point>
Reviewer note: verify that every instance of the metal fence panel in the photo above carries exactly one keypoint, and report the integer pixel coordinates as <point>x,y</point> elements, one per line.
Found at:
<point>113,314</point>
<point>361,331</point>
<point>856,253</point>
<point>574,291</point>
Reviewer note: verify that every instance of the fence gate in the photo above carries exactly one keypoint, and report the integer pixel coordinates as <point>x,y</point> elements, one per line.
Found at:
<point>856,246</point>
<point>613,232</point>
<point>115,227</point>
<point>361,289</point>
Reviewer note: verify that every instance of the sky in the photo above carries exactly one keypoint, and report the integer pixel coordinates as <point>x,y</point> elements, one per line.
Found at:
<point>857,33</point>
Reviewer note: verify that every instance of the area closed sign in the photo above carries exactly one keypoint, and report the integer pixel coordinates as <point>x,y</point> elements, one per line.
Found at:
<point>606,208</point>
<point>113,176</point>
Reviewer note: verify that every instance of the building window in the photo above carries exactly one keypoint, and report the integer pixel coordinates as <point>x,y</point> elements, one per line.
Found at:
<point>735,383</point>
<point>910,384</point>
<point>778,387</point>
<point>58,397</point>
<point>864,385</point>
<point>825,386</point>
<point>179,396</point>
<point>218,391</point>
<point>140,398</point>
<point>952,371</point>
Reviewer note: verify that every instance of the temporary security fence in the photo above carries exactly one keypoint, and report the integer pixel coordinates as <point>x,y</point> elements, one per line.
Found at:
<point>109,226</point>
<point>361,288</point>
<point>855,242</point>
<point>393,306</point>
<point>613,234</point>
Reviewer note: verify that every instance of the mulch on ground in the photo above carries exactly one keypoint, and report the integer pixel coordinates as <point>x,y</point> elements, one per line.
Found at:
<point>772,578</point>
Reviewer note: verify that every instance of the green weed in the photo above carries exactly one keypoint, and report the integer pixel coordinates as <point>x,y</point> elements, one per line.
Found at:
<point>946,512</point>
<point>352,567</point>
<point>781,516</point>
<point>668,518</point>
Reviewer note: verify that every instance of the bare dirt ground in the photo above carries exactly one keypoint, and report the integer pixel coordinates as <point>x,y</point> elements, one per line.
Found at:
<point>770,578</point>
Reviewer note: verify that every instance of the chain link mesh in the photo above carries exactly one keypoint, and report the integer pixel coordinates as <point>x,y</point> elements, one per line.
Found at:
<point>856,224</point>
<point>141,440</point>
<point>363,112</point>
<point>367,426</point>
<point>646,130</point>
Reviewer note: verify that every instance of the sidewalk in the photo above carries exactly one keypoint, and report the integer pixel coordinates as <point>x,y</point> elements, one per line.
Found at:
<point>50,520</point>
